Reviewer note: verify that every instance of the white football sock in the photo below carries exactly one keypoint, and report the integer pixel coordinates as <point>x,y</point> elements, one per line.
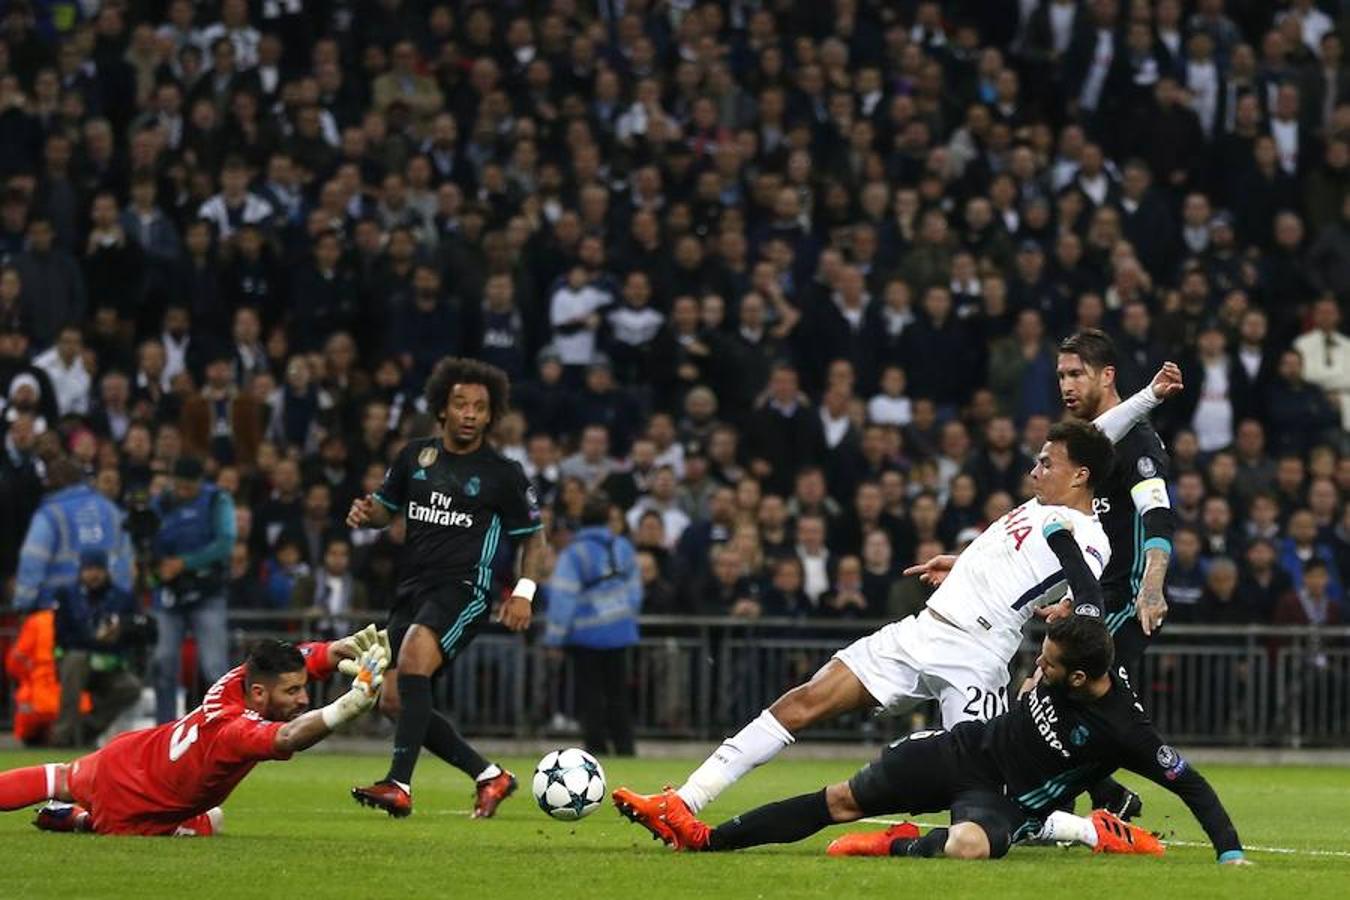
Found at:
<point>492,771</point>
<point>1064,826</point>
<point>753,745</point>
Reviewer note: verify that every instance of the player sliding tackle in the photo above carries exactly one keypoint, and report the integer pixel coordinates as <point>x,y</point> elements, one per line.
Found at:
<point>171,780</point>
<point>957,650</point>
<point>1000,779</point>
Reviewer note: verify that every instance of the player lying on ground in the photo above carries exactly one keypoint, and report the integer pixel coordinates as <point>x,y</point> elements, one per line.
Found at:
<point>1000,779</point>
<point>172,779</point>
<point>957,650</point>
<point>458,496</point>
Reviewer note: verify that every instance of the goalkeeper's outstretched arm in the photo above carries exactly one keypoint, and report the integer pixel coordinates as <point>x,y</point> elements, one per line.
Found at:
<point>308,729</point>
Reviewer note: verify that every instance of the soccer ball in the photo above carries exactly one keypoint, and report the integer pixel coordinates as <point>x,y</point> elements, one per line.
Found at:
<point>569,784</point>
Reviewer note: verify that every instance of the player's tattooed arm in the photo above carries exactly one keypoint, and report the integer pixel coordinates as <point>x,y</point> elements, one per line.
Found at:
<point>1151,605</point>
<point>534,557</point>
<point>516,612</point>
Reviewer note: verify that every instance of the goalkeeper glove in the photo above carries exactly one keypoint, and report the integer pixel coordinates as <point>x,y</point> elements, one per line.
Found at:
<point>364,691</point>
<point>359,643</point>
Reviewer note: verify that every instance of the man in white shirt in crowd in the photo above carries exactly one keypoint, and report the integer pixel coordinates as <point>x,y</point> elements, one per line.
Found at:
<point>1213,419</point>
<point>663,500</point>
<point>815,557</point>
<point>64,364</point>
<point>1326,356</point>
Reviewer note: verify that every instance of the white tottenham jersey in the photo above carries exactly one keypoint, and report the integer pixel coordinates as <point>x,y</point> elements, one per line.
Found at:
<point>1010,569</point>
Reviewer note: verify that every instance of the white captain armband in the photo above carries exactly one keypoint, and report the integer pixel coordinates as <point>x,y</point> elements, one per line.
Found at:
<point>1151,493</point>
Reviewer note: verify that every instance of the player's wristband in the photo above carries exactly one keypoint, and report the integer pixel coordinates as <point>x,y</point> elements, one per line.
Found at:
<point>1230,855</point>
<point>525,588</point>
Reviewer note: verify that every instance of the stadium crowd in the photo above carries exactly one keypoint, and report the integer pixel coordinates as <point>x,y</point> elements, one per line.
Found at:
<point>785,279</point>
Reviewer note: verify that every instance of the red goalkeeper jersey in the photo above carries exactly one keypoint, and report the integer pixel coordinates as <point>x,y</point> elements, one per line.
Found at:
<point>150,781</point>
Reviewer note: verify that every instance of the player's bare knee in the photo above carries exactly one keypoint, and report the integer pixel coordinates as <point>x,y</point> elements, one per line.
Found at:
<point>842,804</point>
<point>792,710</point>
<point>389,705</point>
<point>802,706</point>
<point>966,840</point>
<point>420,653</point>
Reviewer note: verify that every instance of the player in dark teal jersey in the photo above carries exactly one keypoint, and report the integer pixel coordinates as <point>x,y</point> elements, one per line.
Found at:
<point>460,499</point>
<point>1134,509</point>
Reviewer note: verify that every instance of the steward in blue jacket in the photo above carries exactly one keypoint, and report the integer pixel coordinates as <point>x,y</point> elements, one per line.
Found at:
<point>594,598</point>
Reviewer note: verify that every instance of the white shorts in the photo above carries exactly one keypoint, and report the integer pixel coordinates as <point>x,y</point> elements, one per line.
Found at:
<point>920,658</point>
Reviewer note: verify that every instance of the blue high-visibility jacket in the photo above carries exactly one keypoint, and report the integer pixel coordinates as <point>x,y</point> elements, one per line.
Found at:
<point>595,594</point>
<point>67,523</point>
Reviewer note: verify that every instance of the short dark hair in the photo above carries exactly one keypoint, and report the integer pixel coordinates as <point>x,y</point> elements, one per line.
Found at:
<point>270,659</point>
<point>595,510</point>
<point>455,370</point>
<point>1086,446</point>
<point>1084,644</point>
<point>1093,346</point>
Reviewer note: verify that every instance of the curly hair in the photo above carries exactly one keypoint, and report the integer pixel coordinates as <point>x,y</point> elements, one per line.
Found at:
<point>455,370</point>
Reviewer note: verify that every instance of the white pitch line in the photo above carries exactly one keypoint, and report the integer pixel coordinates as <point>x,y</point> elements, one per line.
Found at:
<point>1288,851</point>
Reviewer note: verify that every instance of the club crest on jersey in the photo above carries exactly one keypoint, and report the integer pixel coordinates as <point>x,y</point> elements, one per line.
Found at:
<point>471,487</point>
<point>1079,736</point>
<point>1088,609</point>
<point>1146,467</point>
<point>427,456</point>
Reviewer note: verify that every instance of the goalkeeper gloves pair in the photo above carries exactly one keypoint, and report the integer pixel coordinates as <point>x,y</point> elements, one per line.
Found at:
<point>359,643</point>
<point>367,677</point>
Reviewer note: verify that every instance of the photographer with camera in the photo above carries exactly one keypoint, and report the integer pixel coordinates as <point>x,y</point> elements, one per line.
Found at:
<point>97,627</point>
<point>191,553</point>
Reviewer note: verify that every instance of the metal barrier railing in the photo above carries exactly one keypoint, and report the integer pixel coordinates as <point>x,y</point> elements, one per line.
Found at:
<point>694,677</point>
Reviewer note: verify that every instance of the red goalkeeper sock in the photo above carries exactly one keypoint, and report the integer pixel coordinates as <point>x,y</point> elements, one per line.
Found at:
<point>22,788</point>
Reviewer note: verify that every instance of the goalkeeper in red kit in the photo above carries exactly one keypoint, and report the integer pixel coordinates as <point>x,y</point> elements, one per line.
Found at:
<point>172,779</point>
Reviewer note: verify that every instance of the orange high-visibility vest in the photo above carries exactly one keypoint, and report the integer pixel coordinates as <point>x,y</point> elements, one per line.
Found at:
<point>31,662</point>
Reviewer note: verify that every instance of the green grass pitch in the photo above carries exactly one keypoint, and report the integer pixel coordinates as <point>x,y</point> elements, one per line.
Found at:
<point>292,831</point>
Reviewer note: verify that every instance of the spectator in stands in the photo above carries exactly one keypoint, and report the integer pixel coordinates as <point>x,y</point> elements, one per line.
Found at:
<point>1326,356</point>
<point>1222,603</point>
<point>1301,547</point>
<point>96,626</point>
<point>1185,577</point>
<point>783,433</point>
<point>192,551</point>
<point>283,570</point>
<point>1312,602</point>
<point>64,364</point>
<point>1300,413</point>
<point>662,501</point>
<point>221,421</point>
<point>244,590</point>
<point>1264,583</point>
<point>53,283</point>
